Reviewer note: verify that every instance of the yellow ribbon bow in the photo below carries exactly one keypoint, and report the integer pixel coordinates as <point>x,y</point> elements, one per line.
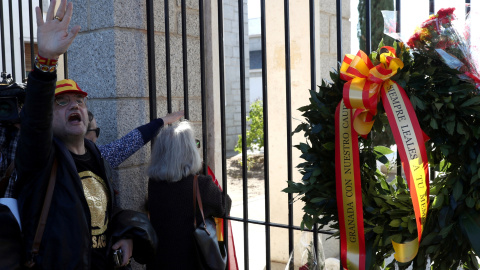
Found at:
<point>364,82</point>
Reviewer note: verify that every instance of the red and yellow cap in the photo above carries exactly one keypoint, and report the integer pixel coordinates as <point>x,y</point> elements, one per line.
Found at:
<point>68,86</point>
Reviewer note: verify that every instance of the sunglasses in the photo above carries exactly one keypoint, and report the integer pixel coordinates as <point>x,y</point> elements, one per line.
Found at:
<point>97,131</point>
<point>64,100</point>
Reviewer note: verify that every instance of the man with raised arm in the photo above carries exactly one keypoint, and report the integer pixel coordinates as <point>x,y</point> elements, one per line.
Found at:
<point>83,227</point>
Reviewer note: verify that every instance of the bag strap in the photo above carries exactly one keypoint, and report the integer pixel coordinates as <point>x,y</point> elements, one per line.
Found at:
<point>6,178</point>
<point>198,198</point>
<point>43,217</point>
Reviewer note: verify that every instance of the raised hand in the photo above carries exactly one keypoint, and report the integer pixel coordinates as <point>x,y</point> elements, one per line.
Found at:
<point>173,117</point>
<point>52,35</point>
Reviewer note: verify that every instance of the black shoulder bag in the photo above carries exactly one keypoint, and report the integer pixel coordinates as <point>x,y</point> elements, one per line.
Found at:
<point>11,235</point>
<point>207,251</point>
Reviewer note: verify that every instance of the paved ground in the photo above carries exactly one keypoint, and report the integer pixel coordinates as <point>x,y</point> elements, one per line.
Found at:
<point>256,238</point>
<point>256,202</point>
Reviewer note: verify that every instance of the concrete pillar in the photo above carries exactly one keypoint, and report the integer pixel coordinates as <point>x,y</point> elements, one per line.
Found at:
<point>325,52</point>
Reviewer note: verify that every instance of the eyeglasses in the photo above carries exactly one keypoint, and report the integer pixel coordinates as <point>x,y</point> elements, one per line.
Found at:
<point>97,131</point>
<point>197,142</point>
<point>64,100</point>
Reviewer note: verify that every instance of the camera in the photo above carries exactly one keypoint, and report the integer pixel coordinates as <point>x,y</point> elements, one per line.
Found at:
<point>12,97</point>
<point>118,258</point>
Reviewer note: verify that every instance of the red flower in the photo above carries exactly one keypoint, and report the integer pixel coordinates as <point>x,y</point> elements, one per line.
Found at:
<point>414,40</point>
<point>444,12</point>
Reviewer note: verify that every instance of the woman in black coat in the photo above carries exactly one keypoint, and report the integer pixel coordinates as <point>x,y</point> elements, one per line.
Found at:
<point>175,160</point>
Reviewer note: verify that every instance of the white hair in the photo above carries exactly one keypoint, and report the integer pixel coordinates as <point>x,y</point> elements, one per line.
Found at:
<point>174,154</point>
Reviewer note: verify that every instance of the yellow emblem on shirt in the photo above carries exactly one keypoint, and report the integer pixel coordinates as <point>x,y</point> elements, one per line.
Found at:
<point>96,194</point>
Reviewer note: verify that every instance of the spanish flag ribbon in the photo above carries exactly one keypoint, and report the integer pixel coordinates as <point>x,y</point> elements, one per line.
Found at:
<point>366,85</point>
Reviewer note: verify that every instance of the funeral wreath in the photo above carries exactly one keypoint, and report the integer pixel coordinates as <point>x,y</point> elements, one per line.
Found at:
<point>434,203</point>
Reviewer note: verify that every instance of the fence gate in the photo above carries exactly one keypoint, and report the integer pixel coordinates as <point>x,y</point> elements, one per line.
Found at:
<point>210,59</point>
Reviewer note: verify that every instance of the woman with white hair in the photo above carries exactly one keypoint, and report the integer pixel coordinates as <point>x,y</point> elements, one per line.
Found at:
<point>175,161</point>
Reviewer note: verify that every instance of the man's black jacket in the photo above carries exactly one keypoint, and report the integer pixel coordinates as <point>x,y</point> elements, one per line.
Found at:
<point>67,241</point>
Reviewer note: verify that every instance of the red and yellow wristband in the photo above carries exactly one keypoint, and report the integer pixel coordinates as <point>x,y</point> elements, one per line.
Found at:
<point>45,64</point>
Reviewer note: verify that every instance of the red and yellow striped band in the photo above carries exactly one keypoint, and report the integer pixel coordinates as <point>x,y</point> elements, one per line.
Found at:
<point>365,85</point>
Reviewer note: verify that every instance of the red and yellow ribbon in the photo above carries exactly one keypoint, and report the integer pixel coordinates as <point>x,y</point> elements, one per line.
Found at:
<point>365,85</point>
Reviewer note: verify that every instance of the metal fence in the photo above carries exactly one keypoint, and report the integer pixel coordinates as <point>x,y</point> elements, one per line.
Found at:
<point>24,50</point>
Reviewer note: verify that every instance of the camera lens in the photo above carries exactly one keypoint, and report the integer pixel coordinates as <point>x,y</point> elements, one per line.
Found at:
<point>5,109</point>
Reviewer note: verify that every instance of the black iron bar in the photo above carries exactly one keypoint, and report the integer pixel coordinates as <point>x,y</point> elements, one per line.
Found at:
<point>288,92</point>
<point>266,167</point>
<point>12,41</point>
<point>313,81</point>
<point>222,114</point>
<point>202,79</point>
<point>167,57</point>
<point>2,34</point>
<point>431,7</point>
<point>398,14</point>
<point>244,128</point>
<point>368,27</point>
<point>40,4</point>
<point>152,87</point>
<point>397,7</point>
<point>185,60</point>
<point>278,225</point>
<point>467,13</point>
<point>32,45</point>
<point>339,31</point>
<point>22,42</point>
<point>339,60</point>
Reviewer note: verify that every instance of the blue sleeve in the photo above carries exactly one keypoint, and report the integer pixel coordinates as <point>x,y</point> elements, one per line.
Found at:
<point>118,151</point>
<point>150,130</point>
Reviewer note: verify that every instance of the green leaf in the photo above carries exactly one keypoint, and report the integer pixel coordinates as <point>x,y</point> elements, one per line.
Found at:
<point>457,190</point>
<point>303,147</point>
<point>472,101</point>
<point>460,129</point>
<point>397,238</point>
<point>445,231</point>
<point>450,126</point>
<point>417,103</point>
<point>308,220</point>
<point>432,249</point>
<point>470,224</point>
<point>383,150</point>
<point>438,202</point>
<point>428,239</point>
<point>378,201</point>
<point>293,187</point>
<point>395,223</point>
<point>317,172</point>
<point>412,226</point>
<point>378,229</point>
<point>329,145</point>
<point>317,200</point>
<point>470,202</point>
<point>317,128</point>
<point>438,106</point>
<point>433,123</point>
